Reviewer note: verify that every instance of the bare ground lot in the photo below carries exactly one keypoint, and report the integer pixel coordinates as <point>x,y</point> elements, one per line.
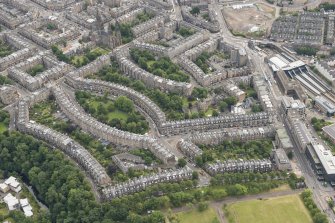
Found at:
<point>243,20</point>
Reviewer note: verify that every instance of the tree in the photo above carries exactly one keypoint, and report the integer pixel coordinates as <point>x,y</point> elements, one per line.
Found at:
<point>202,206</point>
<point>200,92</point>
<point>320,218</point>
<point>124,104</point>
<point>181,162</point>
<point>223,106</point>
<point>231,100</point>
<point>195,175</point>
<point>195,10</point>
<point>237,189</point>
<point>215,113</point>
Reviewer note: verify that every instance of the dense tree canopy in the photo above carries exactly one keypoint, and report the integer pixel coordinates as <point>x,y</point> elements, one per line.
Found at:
<point>162,67</point>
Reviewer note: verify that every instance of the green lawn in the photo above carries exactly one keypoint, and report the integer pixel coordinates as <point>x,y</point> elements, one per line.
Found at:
<point>3,127</point>
<point>114,114</point>
<point>118,114</point>
<point>286,209</point>
<point>194,216</point>
<point>39,68</point>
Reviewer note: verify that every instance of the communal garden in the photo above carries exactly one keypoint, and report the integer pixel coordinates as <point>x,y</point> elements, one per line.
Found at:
<point>255,149</point>
<point>162,66</point>
<point>119,113</point>
<point>172,104</point>
<point>38,68</point>
<point>79,60</point>
<point>5,49</point>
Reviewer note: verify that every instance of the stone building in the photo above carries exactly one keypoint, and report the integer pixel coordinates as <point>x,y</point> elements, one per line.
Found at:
<point>150,25</point>
<point>189,149</point>
<point>133,70</point>
<point>58,140</point>
<point>8,94</point>
<point>54,70</point>
<point>231,166</point>
<point>13,13</point>
<point>35,31</point>
<point>306,28</point>
<point>205,124</point>
<point>263,93</point>
<point>125,161</point>
<point>232,134</point>
<point>54,4</point>
<point>102,87</point>
<point>231,89</point>
<point>160,4</point>
<point>139,184</point>
<point>213,25</point>
<point>24,50</point>
<point>87,16</point>
<point>129,16</point>
<point>206,79</point>
<point>77,115</point>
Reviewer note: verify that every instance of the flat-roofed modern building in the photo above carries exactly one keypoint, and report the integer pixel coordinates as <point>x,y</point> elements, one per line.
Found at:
<point>281,159</point>
<point>282,140</point>
<point>323,162</point>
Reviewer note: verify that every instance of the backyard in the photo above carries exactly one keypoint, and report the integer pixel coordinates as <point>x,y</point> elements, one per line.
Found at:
<point>39,68</point>
<point>256,149</point>
<point>5,49</point>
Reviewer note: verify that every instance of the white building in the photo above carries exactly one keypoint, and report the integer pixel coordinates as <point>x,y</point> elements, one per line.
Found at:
<point>26,207</point>
<point>13,184</point>
<point>11,201</point>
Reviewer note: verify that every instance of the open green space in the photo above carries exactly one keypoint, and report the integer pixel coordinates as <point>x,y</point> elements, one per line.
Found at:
<point>193,216</point>
<point>39,68</point>
<point>5,49</point>
<point>286,209</point>
<point>120,113</point>
<point>162,66</point>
